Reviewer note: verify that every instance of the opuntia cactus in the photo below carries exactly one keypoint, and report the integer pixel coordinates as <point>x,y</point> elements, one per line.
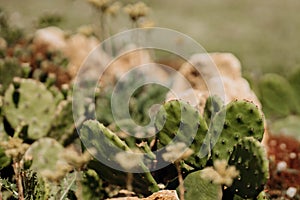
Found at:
<point>212,106</point>
<point>29,103</point>
<point>277,96</point>
<point>249,157</point>
<point>107,146</point>
<point>44,155</point>
<point>180,122</point>
<point>199,188</point>
<point>9,68</point>
<point>237,120</point>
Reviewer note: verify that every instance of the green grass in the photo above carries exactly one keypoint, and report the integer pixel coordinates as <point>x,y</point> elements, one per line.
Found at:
<point>263,34</point>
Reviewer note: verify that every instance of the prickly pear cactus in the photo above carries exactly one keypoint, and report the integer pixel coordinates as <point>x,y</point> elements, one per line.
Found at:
<point>180,122</point>
<point>277,96</point>
<point>212,106</point>
<point>198,188</point>
<point>44,155</point>
<point>143,99</point>
<point>102,139</point>
<point>9,68</point>
<point>249,157</point>
<point>29,103</point>
<point>237,120</point>
<point>63,124</point>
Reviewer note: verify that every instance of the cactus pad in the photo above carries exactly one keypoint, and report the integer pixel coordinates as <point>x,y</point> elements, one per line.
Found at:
<point>198,188</point>
<point>242,119</point>
<point>180,122</point>
<point>277,96</point>
<point>29,103</point>
<point>249,157</point>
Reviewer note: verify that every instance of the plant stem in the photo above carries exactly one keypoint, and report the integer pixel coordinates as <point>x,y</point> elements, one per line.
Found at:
<point>129,181</point>
<point>16,167</point>
<point>0,191</point>
<point>180,180</point>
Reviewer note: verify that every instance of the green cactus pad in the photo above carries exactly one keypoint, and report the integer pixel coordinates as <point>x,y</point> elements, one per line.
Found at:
<point>277,96</point>
<point>107,145</point>
<point>29,103</point>
<point>9,68</point>
<point>180,120</point>
<point>212,106</point>
<point>44,154</point>
<point>242,119</point>
<point>249,157</point>
<point>198,188</point>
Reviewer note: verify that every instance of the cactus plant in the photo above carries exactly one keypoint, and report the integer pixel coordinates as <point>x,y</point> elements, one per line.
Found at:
<point>241,119</point>
<point>249,157</point>
<point>199,188</point>
<point>180,122</point>
<point>277,96</point>
<point>108,145</point>
<point>49,150</point>
<point>212,106</point>
<point>9,68</point>
<point>29,103</point>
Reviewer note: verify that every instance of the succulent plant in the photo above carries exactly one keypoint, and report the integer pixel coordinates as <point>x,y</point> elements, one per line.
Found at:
<point>277,96</point>
<point>9,68</point>
<point>180,122</point>
<point>44,155</point>
<point>212,106</point>
<point>235,121</point>
<point>107,146</point>
<point>28,103</point>
<point>249,157</point>
<point>199,188</point>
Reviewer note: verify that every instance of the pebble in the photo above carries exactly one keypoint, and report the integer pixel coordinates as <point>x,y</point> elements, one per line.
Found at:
<point>293,155</point>
<point>282,146</point>
<point>281,166</point>
<point>291,192</point>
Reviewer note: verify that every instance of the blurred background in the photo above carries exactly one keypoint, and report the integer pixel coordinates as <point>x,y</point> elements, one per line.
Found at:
<point>264,35</point>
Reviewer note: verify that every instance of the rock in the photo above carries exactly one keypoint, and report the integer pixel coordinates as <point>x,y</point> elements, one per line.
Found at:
<point>291,192</point>
<point>79,48</point>
<point>52,37</point>
<point>160,195</point>
<point>218,72</point>
<point>130,59</point>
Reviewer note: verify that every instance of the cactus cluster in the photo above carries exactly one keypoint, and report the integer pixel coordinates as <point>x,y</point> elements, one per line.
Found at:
<point>231,133</point>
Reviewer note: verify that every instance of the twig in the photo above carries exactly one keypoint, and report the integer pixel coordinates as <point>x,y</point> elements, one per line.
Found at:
<point>0,191</point>
<point>180,179</point>
<point>129,181</point>
<point>16,167</point>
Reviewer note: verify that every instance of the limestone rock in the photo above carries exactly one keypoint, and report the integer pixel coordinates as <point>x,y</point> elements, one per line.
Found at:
<point>160,195</point>
<point>52,37</point>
